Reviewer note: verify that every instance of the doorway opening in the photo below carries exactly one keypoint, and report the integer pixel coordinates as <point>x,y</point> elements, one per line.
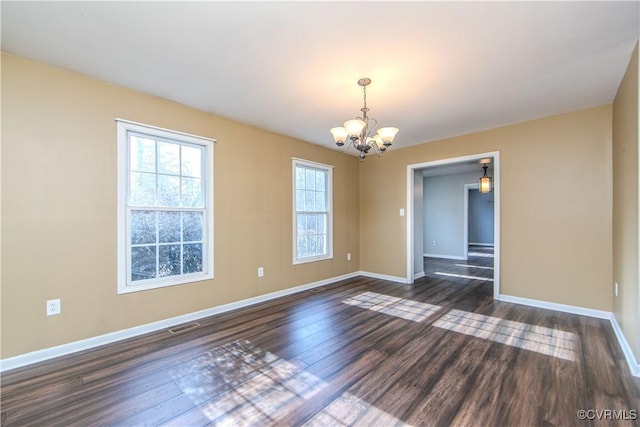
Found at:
<point>455,246</point>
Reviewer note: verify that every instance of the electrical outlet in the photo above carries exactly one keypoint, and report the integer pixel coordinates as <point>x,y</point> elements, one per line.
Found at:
<point>260,271</point>
<point>435,243</point>
<point>401,211</point>
<point>349,256</point>
<point>53,307</point>
<point>615,288</point>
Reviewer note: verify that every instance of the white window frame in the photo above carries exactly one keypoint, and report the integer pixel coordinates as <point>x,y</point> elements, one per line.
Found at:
<point>125,285</point>
<point>329,211</point>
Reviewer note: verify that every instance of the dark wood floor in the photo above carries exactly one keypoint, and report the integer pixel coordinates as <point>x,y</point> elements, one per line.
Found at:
<point>478,266</point>
<point>359,352</point>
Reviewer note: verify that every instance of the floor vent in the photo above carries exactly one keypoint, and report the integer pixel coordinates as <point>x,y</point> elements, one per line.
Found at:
<point>184,328</point>
<point>318,289</point>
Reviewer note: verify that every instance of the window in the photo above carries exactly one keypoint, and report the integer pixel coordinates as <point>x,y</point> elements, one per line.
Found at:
<point>165,207</point>
<point>312,224</point>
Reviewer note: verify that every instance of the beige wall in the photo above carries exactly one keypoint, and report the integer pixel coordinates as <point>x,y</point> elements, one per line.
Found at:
<point>625,204</point>
<point>59,208</point>
<point>555,214</point>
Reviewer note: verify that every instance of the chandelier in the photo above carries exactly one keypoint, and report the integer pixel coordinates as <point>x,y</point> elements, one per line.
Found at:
<point>359,131</point>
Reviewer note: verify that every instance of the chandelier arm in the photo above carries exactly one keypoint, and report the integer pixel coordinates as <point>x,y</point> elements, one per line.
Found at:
<point>375,124</point>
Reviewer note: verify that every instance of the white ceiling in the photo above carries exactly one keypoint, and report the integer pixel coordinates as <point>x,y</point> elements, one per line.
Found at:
<point>439,69</point>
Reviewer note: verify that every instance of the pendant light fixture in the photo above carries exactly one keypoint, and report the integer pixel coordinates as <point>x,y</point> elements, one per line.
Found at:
<point>358,132</point>
<point>485,185</point>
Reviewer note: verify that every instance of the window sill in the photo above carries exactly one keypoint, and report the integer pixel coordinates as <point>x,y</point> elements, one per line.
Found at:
<point>312,259</point>
<point>145,285</point>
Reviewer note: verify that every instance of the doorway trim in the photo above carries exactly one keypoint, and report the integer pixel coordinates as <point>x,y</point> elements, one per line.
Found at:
<point>467,187</point>
<point>496,214</point>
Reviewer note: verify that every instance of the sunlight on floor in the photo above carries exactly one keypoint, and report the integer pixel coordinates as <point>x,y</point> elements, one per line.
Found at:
<point>255,387</point>
<point>548,341</point>
<point>348,410</point>
<point>407,309</point>
<point>463,276</point>
<point>481,254</point>
<point>474,266</point>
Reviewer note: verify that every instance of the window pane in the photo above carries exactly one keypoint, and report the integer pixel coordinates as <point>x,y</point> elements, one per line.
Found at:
<point>321,243</point>
<point>300,200</point>
<point>301,224</point>
<point>299,178</point>
<point>192,226</point>
<point>143,263</point>
<point>302,246</point>
<point>311,224</point>
<point>310,179</point>
<point>311,242</point>
<point>168,158</point>
<point>142,189</point>
<point>143,227</point>
<point>192,193</point>
<point>142,154</point>
<point>322,224</point>
<point>169,227</point>
<point>309,201</point>
<point>192,258</point>
<point>192,161</point>
<point>168,190</point>
<point>320,180</point>
<point>320,201</point>
<point>169,260</point>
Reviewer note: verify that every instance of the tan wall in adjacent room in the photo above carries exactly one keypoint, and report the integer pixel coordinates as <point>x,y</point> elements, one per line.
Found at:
<point>625,205</point>
<point>555,213</point>
<point>59,208</point>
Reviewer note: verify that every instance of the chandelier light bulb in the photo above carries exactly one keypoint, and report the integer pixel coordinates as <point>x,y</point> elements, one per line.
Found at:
<point>379,142</point>
<point>387,135</point>
<point>339,135</point>
<point>354,127</point>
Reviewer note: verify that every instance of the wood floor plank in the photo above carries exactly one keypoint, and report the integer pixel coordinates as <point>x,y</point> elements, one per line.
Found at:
<point>558,407</point>
<point>448,387</point>
<point>482,404</point>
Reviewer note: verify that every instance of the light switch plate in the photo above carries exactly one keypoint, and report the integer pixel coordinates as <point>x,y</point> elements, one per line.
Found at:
<point>53,307</point>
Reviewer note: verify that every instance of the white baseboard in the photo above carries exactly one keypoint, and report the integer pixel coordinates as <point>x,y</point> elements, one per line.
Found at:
<point>634,367</point>
<point>383,277</point>
<point>488,245</point>
<point>418,275</point>
<point>445,256</point>
<point>85,344</point>
<point>557,307</point>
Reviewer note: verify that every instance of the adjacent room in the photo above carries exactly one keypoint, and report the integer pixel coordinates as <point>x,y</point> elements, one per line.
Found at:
<point>319,213</point>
